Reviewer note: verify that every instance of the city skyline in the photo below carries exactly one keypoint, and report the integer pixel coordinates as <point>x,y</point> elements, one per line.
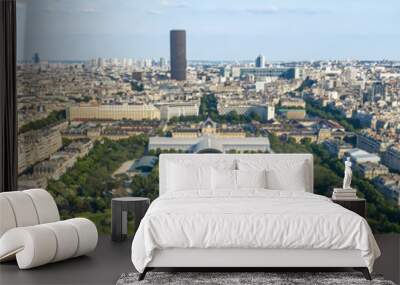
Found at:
<point>280,30</point>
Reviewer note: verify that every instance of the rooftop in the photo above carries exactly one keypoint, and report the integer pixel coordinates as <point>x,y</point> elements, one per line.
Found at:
<point>145,162</point>
<point>360,155</point>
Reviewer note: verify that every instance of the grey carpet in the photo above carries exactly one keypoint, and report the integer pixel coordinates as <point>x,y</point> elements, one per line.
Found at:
<point>269,278</point>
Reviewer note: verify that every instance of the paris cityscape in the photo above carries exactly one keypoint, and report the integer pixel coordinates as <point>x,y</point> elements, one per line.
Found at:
<point>92,130</point>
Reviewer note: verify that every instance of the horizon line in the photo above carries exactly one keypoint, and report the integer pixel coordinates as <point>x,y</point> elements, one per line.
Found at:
<point>215,60</point>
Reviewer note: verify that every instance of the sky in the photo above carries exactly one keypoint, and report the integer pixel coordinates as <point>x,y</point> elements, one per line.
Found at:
<point>216,29</point>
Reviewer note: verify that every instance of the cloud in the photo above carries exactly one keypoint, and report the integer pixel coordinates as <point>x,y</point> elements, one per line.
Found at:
<point>73,11</point>
<point>89,10</point>
<point>275,10</point>
<point>174,3</point>
<point>263,11</point>
<point>271,10</point>
<point>154,12</point>
<point>168,4</point>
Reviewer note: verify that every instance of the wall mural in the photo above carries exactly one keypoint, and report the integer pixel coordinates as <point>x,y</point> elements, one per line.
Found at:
<point>104,88</point>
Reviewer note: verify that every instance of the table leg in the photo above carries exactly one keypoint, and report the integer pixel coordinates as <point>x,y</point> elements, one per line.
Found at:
<point>116,223</point>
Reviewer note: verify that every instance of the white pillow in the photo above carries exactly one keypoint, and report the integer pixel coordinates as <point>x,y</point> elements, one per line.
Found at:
<point>184,178</point>
<point>278,180</point>
<point>224,179</point>
<point>282,174</point>
<point>251,178</point>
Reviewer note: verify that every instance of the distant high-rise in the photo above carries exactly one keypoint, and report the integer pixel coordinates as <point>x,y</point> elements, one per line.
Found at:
<point>378,89</point>
<point>36,58</point>
<point>178,54</point>
<point>260,61</point>
<point>100,62</point>
<point>162,63</point>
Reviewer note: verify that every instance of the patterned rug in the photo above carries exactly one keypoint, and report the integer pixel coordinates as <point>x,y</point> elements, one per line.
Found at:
<point>243,278</point>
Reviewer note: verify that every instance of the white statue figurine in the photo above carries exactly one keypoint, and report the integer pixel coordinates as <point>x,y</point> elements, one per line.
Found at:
<point>348,173</point>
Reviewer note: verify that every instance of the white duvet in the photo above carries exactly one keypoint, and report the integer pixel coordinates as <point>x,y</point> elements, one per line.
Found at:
<point>250,219</point>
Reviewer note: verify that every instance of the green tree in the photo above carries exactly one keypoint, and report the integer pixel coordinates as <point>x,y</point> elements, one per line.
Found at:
<point>87,186</point>
<point>53,118</point>
<point>233,117</point>
<point>383,215</point>
<point>316,109</point>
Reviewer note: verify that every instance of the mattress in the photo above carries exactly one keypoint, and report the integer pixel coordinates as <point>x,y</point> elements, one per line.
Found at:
<point>250,219</point>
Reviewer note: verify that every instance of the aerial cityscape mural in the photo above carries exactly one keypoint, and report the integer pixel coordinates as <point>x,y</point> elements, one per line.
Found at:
<point>96,108</point>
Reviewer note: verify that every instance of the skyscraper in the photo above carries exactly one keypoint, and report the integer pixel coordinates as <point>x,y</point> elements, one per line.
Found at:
<point>260,61</point>
<point>36,58</point>
<point>378,89</point>
<point>162,63</point>
<point>178,54</point>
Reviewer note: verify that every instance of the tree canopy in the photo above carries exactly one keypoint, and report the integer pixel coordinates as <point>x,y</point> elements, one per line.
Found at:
<point>383,215</point>
<point>53,118</point>
<point>86,187</point>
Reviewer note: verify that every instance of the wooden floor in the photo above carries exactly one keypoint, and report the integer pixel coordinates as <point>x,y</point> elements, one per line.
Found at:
<point>103,266</point>
<point>389,262</point>
<point>110,260</point>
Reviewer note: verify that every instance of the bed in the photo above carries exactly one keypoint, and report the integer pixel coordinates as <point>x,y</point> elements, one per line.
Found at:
<point>245,211</point>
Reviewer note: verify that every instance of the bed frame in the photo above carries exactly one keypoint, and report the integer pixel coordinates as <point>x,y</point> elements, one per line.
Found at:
<point>250,259</point>
<point>246,259</point>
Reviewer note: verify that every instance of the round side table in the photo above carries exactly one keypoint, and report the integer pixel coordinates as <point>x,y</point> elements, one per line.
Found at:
<point>119,212</point>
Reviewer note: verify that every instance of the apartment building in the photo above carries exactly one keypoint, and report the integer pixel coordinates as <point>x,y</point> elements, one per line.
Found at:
<point>371,143</point>
<point>180,109</point>
<point>371,170</point>
<point>281,72</point>
<point>266,112</point>
<point>337,148</point>
<point>113,112</point>
<point>37,145</point>
<point>293,103</point>
<point>389,186</point>
<point>55,167</point>
<point>391,158</point>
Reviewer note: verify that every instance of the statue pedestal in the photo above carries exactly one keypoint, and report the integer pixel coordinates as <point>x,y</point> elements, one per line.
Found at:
<point>344,190</point>
<point>344,194</point>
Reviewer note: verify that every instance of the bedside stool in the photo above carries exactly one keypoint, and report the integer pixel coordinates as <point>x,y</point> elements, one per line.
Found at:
<point>119,214</point>
<point>357,205</point>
